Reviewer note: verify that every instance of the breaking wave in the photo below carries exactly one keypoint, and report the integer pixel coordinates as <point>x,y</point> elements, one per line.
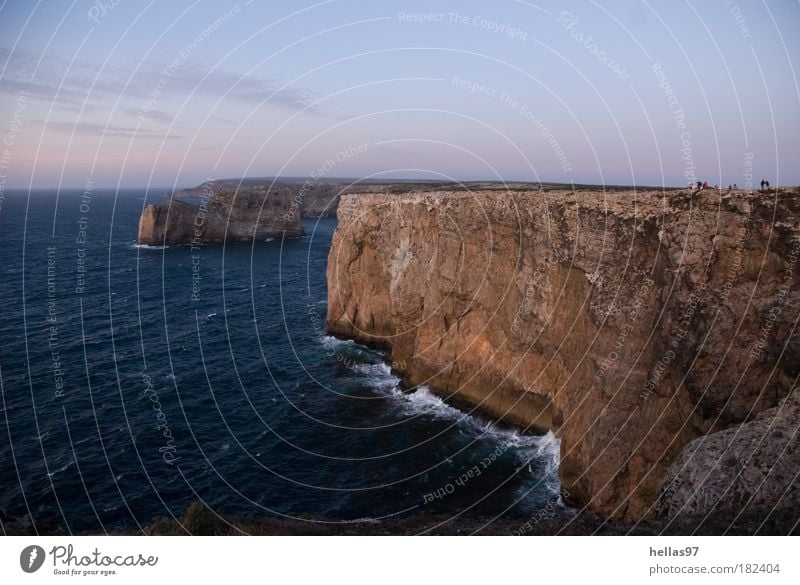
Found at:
<point>541,451</point>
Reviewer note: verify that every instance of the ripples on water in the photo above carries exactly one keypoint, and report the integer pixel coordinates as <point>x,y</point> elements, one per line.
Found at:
<point>263,413</point>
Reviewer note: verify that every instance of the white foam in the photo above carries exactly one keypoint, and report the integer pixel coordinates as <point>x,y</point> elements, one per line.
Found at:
<point>380,372</point>
<point>528,448</point>
<point>136,246</point>
<point>424,401</point>
<point>60,469</point>
<point>331,342</point>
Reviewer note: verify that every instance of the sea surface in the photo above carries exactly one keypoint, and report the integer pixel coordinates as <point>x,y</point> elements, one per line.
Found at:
<point>138,379</point>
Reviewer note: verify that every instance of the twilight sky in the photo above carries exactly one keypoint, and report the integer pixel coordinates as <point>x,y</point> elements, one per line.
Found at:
<point>620,92</point>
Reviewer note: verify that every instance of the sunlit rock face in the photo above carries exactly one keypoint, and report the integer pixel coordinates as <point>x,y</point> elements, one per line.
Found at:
<point>631,324</point>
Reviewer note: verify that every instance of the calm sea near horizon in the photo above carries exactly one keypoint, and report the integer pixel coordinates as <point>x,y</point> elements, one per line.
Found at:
<point>138,379</point>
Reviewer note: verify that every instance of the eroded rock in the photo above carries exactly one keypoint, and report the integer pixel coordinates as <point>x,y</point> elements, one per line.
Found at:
<point>746,469</point>
<point>229,216</point>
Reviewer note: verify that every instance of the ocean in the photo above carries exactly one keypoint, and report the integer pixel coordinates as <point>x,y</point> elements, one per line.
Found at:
<point>137,379</point>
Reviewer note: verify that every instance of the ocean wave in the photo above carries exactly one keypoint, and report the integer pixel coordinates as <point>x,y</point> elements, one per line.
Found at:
<point>539,455</point>
<point>331,342</point>
<point>378,373</point>
<point>135,246</point>
<point>423,400</point>
<point>546,456</point>
<point>60,469</point>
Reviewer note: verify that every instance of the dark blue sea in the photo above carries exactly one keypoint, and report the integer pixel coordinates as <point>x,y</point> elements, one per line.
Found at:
<point>137,379</point>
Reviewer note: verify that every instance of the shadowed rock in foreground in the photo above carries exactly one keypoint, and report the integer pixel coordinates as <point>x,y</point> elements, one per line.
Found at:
<point>630,324</point>
<point>744,469</point>
<point>227,217</point>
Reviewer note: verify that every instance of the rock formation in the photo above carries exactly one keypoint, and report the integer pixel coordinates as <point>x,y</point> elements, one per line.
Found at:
<point>227,216</point>
<point>745,469</point>
<point>631,324</point>
<point>309,198</point>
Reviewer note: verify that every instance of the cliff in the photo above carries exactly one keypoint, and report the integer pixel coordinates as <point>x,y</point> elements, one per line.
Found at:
<point>309,198</point>
<point>630,324</point>
<point>227,216</point>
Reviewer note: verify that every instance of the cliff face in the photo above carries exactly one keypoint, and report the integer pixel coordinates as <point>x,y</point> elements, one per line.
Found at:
<point>630,324</point>
<point>228,216</point>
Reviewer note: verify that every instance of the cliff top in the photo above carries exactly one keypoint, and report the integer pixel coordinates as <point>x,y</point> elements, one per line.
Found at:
<point>641,205</point>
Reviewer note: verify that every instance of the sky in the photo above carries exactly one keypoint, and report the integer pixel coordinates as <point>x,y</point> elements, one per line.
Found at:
<point>130,94</point>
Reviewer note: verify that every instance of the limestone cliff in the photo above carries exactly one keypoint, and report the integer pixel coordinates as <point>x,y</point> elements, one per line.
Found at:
<point>227,216</point>
<point>631,324</point>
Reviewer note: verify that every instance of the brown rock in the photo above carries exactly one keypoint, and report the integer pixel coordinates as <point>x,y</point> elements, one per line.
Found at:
<point>630,324</point>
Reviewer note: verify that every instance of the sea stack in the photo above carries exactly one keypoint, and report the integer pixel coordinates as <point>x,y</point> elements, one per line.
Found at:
<point>229,216</point>
<point>632,325</point>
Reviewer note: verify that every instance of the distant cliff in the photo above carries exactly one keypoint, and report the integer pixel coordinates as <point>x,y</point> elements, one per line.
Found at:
<point>227,216</point>
<point>319,198</point>
<point>630,324</point>
<point>309,198</point>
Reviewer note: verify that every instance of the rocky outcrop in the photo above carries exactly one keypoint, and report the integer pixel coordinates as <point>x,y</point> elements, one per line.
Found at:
<point>631,324</point>
<point>228,216</point>
<point>309,198</point>
<point>746,469</point>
